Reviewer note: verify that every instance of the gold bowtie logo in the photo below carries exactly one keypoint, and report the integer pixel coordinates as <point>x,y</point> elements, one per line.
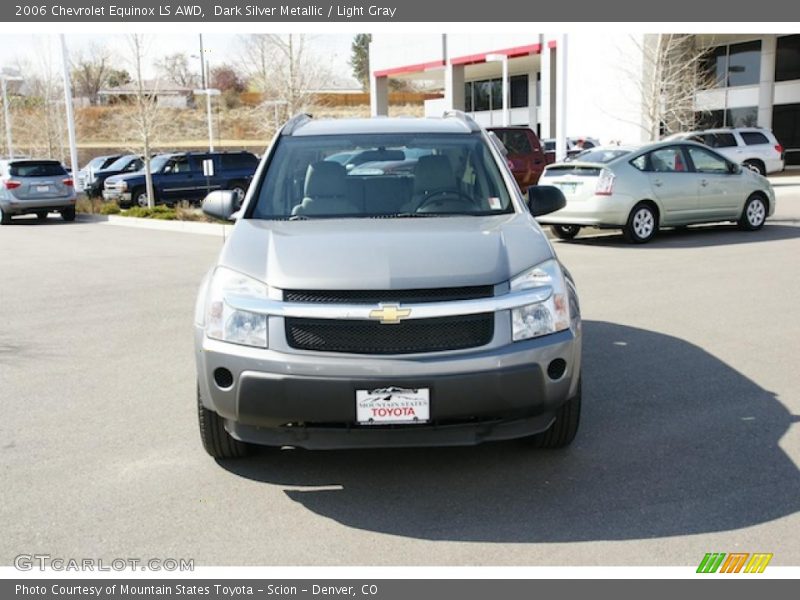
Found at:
<point>389,314</point>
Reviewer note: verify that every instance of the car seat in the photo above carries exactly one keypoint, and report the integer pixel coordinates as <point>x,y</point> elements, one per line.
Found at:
<point>325,191</point>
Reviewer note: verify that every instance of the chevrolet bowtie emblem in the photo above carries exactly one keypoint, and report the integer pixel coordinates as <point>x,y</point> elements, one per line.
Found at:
<point>390,314</point>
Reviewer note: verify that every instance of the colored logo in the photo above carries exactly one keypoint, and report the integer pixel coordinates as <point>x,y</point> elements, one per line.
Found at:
<point>735,562</point>
<point>390,314</point>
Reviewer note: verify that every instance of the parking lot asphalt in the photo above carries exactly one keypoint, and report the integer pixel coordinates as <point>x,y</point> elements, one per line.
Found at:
<point>689,439</point>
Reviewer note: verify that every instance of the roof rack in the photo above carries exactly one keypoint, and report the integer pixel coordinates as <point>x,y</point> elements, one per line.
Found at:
<point>464,117</point>
<point>295,123</point>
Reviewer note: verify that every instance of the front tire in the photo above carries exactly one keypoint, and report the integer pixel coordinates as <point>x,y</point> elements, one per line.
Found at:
<point>5,218</point>
<point>139,197</point>
<point>68,214</point>
<point>565,232</point>
<point>565,427</point>
<point>754,213</point>
<point>216,440</point>
<point>642,224</point>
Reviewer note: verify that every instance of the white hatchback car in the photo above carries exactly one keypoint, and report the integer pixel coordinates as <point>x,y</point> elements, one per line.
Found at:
<point>752,147</point>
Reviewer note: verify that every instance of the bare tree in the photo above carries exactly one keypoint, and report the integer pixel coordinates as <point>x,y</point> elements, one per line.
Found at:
<point>673,70</point>
<point>90,71</point>
<point>145,116</point>
<point>284,68</point>
<point>177,69</point>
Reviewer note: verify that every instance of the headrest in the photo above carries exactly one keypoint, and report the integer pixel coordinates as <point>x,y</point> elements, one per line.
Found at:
<point>325,178</point>
<point>433,172</point>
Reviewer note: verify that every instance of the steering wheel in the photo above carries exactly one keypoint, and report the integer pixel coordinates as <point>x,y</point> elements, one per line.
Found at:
<point>433,197</point>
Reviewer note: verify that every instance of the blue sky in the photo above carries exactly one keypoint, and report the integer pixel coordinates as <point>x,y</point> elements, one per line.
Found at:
<point>333,49</point>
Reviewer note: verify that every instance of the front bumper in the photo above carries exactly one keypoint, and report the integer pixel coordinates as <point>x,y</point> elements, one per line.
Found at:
<point>307,399</point>
<point>116,196</point>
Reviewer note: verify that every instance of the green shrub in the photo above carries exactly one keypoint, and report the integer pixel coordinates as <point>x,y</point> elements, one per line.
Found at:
<point>110,208</point>
<point>158,212</point>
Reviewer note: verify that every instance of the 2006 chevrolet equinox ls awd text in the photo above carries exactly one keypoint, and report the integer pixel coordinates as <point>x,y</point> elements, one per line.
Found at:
<point>386,284</point>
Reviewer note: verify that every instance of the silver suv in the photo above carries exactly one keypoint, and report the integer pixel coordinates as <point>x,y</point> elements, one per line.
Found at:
<point>410,299</point>
<point>35,186</point>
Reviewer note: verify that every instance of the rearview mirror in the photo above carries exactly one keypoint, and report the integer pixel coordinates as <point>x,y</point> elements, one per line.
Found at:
<point>544,199</point>
<point>220,205</point>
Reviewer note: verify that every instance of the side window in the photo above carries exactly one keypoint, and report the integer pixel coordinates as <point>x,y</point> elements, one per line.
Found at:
<point>705,162</point>
<point>179,164</point>
<point>752,138</point>
<point>667,160</point>
<point>721,140</point>
<point>516,142</point>
<point>640,162</point>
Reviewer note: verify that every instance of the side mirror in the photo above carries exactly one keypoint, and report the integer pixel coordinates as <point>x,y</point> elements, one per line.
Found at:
<point>735,169</point>
<point>220,205</point>
<point>544,199</point>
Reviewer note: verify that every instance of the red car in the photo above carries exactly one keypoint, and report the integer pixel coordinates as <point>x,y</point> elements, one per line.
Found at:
<point>525,155</point>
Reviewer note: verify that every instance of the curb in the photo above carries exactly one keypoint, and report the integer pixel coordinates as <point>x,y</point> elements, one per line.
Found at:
<point>215,229</point>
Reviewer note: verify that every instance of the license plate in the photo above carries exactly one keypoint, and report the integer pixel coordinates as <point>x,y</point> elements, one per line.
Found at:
<point>393,405</point>
<point>568,187</point>
<point>42,188</point>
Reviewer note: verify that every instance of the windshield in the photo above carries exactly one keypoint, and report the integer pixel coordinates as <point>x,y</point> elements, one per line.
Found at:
<point>386,175</point>
<point>122,163</point>
<point>600,155</point>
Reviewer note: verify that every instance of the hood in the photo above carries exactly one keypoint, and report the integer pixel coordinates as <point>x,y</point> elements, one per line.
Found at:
<point>382,254</point>
<point>124,176</point>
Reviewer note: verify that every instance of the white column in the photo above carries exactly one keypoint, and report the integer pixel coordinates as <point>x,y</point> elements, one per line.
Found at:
<point>378,96</point>
<point>73,148</point>
<point>454,87</point>
<point>532,110</point>
<point>766,85</point>
<point>544,87</point>
<point>561,98</point>
<point>506,98</point>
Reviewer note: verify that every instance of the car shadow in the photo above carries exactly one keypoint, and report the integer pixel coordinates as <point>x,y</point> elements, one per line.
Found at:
<point>695,236</point>
<point>673,442</point>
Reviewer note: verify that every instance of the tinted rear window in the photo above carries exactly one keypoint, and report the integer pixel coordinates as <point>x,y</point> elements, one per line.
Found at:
<point>719,140</point>
<point>751,138</point>
<point>43,168</point>
<point>515,141</point>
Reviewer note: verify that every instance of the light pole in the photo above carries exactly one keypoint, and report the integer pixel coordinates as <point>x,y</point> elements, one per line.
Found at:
<point>4,78</point>
<point>503,59</point>
<point>73,148</point>
<point>205,71</point>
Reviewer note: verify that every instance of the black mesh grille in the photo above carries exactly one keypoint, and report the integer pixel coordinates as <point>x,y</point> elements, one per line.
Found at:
<point>389,296</point>
<point>371,337</point>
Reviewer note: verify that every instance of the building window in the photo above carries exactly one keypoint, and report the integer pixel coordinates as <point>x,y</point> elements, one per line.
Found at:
<point>519,91</point>
<point>734,65</point>
<point>733,117</point>
<point>786,127</point>
<point>787,60</point>
<point>487,94</point>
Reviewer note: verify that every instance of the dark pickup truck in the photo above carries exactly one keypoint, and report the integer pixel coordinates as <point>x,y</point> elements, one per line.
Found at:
<point>180,176</point>
<point>525,155</point>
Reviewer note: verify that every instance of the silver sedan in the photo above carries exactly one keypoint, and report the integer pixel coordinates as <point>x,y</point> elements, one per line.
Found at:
<point>667,184</point>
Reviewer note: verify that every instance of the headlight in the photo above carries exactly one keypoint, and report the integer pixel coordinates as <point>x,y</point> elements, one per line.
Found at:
<point>227,324</point>
<point>542,318</point>
<point>123,185</point>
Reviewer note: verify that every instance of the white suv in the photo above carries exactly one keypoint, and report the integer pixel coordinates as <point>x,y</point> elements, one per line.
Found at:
<point>753,147</point>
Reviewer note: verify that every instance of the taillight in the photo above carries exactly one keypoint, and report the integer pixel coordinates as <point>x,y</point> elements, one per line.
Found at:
<point>68,182</point>
<point>605,183</point>
<point>11,184</point>
<point>779,149</point>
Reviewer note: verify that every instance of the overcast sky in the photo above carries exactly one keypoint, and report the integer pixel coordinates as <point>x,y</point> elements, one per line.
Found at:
<point>222,48</point>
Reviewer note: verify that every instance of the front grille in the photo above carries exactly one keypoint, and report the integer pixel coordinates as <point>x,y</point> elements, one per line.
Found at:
<point>389,296</point>
<point>372,337</point>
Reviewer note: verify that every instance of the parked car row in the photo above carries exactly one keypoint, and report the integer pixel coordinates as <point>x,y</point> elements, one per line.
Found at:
<point>183,176</point>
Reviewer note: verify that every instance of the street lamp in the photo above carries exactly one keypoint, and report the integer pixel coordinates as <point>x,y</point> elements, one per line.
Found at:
<point>503,59</point>
<point>205,75</point>
<point>4,79</point>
